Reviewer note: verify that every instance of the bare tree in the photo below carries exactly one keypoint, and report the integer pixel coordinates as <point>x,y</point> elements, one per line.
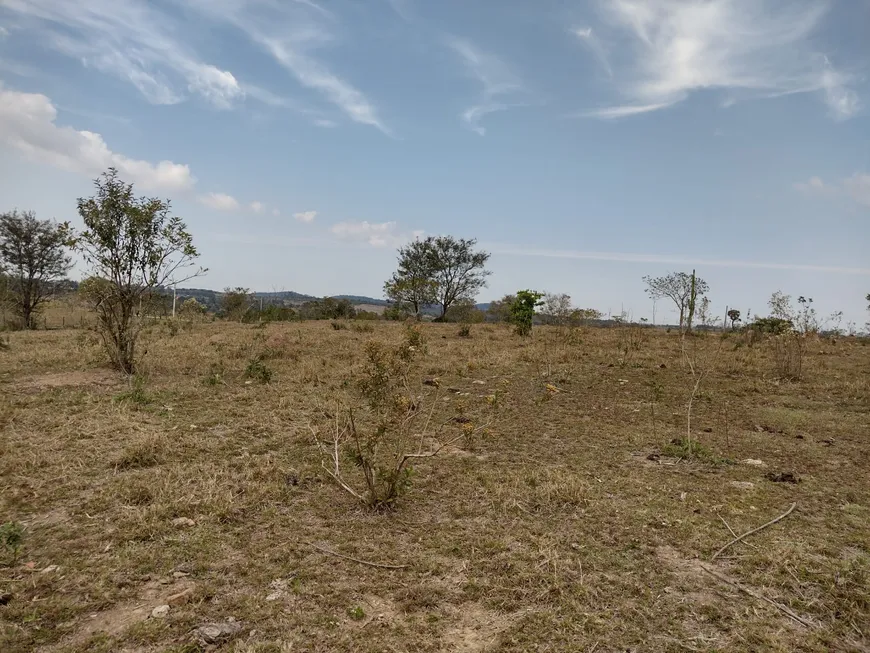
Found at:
<point>134,246</point>
<point>682,289</point>
<point>557,308</point>
<point>32,257</point>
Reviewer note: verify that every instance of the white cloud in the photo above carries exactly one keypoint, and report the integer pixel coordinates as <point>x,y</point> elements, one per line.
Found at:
<point>376,234</point>
<point>131,40</point>
<point>219,201</point>
<point>665,50</point>
<point>276,212</point>
<point>257,207</point>
<point>305,216</point>
<point>496,78</point>
<point>27,124</point>
<point>856,188</point>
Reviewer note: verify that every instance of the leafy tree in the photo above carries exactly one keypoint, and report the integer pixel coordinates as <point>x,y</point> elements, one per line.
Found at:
<point>734,316</point>
<point>413,284</point>
<point>500,310</point>
<point>458,270</point>
<point>133,246</point>
<point>235,302</point>
<point>33,258</point>
<point>523,310</point>
<point>682,289</point>
<point>557,308</point>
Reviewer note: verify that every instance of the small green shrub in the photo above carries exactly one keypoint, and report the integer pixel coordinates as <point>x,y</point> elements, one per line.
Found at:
<point>523,310</point>
<point>356,613</point>
<point>11,538</point>
<point>137,393</point>
<point>691,449</point>
<point>257,371</point>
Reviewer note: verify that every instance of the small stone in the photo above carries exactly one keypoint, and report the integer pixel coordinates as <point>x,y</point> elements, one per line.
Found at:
<point>476,382</point>
<point>5,597</point>
<point>49,569</point>
<point>742,485</point>
<point>215,633</point>
<point>183,522</point>
<point>180,574</point>
<point>181,598</point>
<point>754,463</point>
<point>160,612</point>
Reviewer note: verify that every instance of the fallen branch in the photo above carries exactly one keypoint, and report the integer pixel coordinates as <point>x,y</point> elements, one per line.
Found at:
<point>731,530</point>
<point>754,594</point>
<point>357,560</point>
<point>754,530</point>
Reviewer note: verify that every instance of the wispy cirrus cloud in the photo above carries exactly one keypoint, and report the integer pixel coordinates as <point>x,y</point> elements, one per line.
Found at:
<point>291,33</point>
<point>132,41</point>
<point>596,47</point>
<point>621,257</point>
<point>499,83</point>
<point>666,50</point>
<point>28,125</point>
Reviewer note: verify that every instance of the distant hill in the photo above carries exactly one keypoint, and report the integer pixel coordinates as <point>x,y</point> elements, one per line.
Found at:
<point>211,298</point>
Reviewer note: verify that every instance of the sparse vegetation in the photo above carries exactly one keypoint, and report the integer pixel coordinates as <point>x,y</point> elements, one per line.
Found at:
<point>592,488</point>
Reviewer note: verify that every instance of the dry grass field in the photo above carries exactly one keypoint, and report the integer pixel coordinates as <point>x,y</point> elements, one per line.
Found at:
<point>580,522</point>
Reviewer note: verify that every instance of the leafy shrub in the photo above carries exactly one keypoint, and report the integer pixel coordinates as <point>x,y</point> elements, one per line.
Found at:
<point>257,371</point>
<point>464,331</point>
<point>771,325</point>
<point>338,326</point>
<point>523,310</point>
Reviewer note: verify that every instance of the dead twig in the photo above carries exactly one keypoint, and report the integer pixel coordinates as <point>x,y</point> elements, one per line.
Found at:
<point>779,606</point>
<point>731,530</point>
<point>379,565</point>
<point>754,530</point>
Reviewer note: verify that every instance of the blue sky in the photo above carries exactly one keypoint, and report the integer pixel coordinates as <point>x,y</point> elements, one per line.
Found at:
<point>585,143</point>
